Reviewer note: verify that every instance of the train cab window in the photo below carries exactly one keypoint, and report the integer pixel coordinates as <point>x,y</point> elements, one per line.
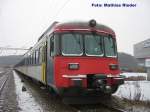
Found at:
<point>93,45</point>
<point>72,44</point>
<point>110,46</point>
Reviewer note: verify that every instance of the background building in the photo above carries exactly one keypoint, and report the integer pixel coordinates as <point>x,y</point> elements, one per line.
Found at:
<point>142,54</point>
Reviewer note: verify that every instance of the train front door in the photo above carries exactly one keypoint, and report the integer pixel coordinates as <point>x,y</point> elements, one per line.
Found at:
<point>44,61</point>
<point>50,60</point>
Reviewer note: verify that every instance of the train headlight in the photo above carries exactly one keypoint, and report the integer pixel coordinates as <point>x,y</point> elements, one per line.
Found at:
<point>92,23</point>
<point>73,66</point>
<point>113,66</point>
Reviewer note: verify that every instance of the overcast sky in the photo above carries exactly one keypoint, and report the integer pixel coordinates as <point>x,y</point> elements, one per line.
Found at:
<point>23,21</point>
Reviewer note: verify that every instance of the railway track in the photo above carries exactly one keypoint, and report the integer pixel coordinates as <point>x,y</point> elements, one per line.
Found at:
<point>3,80</point>
<point>104,105</point>
<point>113,108</point>
<point>96,108</point>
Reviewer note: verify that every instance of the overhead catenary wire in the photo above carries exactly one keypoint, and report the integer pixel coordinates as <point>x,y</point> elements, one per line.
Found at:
<point>60,9</point>
<point>54,16</point>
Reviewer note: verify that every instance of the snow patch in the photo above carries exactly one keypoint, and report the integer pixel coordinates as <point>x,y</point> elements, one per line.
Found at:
<point>25,100</point>
<point>1,72</point>
<point>135,90</point>
<point>129,74</point>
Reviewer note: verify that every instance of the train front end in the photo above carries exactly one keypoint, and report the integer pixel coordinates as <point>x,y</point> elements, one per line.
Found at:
<point>86,60</point>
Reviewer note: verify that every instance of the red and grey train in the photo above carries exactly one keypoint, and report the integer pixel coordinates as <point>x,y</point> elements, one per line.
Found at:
<point>74,58</point>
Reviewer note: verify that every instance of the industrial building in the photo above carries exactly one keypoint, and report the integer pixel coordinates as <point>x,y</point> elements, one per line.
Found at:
<point>142,54</point>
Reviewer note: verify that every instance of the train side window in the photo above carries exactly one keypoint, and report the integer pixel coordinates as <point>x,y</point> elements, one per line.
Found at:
<point>52,46</point>
<point>33,58</point>
<point>36,55</point>
<point>24,61</point>
<point>40,55</point>
<point>27,60</point>
<point>43,53</point>
<point>30,59</point>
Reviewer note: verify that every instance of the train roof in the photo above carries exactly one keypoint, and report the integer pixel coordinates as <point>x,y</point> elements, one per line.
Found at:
<point>82,26</point>
<point>76,25</point>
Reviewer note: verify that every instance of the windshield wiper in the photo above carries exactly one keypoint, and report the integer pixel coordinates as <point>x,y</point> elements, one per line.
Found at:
<point>78,41</point>
<point>99,42</point>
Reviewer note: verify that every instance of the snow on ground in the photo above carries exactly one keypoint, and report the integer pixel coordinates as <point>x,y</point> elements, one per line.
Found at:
<point>134,90</point>
<point>132,74</point>
<point>1,72</point>
<point>25,100</point>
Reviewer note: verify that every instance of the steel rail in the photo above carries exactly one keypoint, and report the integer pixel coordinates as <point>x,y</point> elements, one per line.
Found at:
<point>98,106</point>
<point>113,108</point>
<point>5,78</point>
